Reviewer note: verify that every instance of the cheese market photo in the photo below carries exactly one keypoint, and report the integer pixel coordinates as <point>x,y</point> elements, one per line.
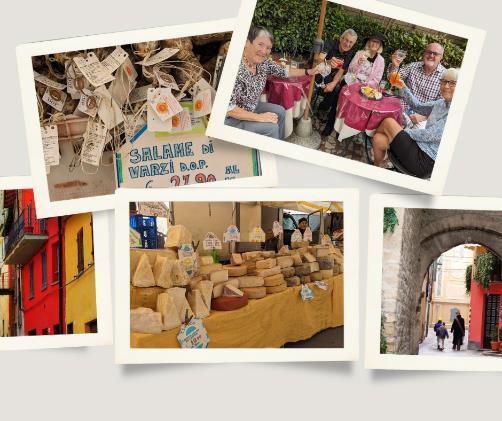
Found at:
<point>236,274</point>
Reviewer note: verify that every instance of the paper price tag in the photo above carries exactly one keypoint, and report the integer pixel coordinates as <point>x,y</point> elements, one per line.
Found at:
<point>277,228</point>
<point>211,241</point>
<point>231,234</point>
<point>188,259</point>
<point>50,145</point>
<point>49,82</point>
<point>114,60</point>
<point>160,56</point>
<point>167,81</point>
<point>306,293</point>
<point>181,122</point>
<point>296,236</point>
<point>307,235</point>
<point>76,82</point>
<point>202,103</point>
<point>54,98</point>
<point>94,143</point>
<point>89,103</point>
<point>201,85</point>
<point>128,68</point>
<point>108,110</point>
<point>164,103</point>
<point>321,284</point>
<point>257,235</point>
<point>325,240</point>
<point>93,70</point>
<point>193,335</point>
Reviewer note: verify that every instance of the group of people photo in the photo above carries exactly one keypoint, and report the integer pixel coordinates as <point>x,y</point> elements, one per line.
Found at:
<point>405,136</point>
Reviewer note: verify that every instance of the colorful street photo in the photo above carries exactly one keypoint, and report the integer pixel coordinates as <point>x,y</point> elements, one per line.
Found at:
<point>237,274</point>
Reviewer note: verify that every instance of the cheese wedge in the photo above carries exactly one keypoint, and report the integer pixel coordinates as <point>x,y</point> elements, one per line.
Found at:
<point>206,290</point>
<point>219,276</point>
<point>145,320</point>
<point>236,259</point>
<point>218,288</point>
<point>307,257</point>
<point>177,235</point>
<point>179,274</point>
<point>143,275</point>
<point>231,291</point>
<point>145,297</point>
<point>297,259</point>
<point>162,271</point>
<point>166,307</point>
<point>181,303</point>
<point>206,260</point>
<point>197,304</point>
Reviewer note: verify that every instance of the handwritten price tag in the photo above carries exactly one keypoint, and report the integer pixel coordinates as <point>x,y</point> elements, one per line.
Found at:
<point>50,145</point>
<point>211,241</point>
<point>93,70</point>
<point>114,60</point>
<point>94,143</point>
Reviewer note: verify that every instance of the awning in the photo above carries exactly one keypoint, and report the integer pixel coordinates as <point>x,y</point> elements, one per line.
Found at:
<point>307,207</point>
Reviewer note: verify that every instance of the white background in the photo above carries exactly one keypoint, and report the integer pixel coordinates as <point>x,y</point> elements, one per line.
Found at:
<point>79,383</point>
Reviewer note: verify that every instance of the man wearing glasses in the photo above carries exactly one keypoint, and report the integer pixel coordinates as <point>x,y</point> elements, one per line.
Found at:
<point>423,80</point>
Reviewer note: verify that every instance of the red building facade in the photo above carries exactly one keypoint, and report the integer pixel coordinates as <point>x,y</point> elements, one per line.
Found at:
<point>34,248</point>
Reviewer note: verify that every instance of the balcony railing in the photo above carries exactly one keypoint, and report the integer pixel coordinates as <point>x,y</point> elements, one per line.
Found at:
<point>26,234</point>
<point>7,283</point>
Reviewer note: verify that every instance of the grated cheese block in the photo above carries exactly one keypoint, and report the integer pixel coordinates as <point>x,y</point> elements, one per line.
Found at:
<point>162,272</point>
<point>327,273</point>
<point>327,262</point>
<point>285,261</point>
<point>231,291</point>
<point>206,290</point>
<point>266,264</point>
<point>316,276</point>
<point>297,259</point>
<point>251,281</point>
<point>219,276</point>
<point>145,297</point>
<point>236,270</point>
<point>268,254</point>
<point>307,257</point>
<point>305,279</point>
<point>278,288</point>
<point>207,269</point>
<point>274,280</point>
<point>143,275</point>
<point>236,259</point>
<point>145,320</point>
<point>177,235</point>
<point>321,251</point>
<point>303,270</point>
<point>197,305</point>
<point>293,281</point>
<point>206,260</point>
<point>218,288</point>
<point>179,274</point>
<point>180,301</point>
<point>268,272</point>
<point>287,272</point>
<point>255,292</point>
<point>166,307</point>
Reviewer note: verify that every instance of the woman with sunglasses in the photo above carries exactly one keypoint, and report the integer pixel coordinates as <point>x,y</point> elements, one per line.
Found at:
<point>416,149</point>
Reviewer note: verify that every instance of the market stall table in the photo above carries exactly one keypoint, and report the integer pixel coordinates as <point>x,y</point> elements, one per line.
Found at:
<point>358,114</point>
<point>269,322</point>
<point>291,93</point>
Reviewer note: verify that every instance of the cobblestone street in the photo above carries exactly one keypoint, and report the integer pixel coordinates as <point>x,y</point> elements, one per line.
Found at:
<point>429,346</point>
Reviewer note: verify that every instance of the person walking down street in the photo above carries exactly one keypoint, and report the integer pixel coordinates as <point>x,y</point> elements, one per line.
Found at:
<point>436,330</point>
<point>442,333</point>
<point>458,329</point>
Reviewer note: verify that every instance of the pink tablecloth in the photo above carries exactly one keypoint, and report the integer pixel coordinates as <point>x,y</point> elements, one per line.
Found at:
<point>362,114</point>
<point>286,92</point>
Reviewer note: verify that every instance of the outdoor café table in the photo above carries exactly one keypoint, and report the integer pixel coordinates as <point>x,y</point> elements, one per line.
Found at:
<point>356,114</point>
<point>291,93</point>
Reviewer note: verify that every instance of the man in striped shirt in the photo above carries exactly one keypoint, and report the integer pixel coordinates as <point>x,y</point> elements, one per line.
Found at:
<point>422,78</point>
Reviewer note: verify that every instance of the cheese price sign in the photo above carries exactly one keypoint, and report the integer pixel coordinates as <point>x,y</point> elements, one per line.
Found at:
<point>211,242</point>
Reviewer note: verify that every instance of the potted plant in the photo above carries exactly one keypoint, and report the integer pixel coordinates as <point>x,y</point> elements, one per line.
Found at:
<point>495,338</point>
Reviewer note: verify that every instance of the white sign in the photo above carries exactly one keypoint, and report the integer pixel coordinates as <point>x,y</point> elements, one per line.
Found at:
<point>307,235</point>
<point>257,235</point>
<point>211,241</point>
<point>50,145</point>
<point>193,335</point>
<point>93,70</point>
<point>277,228</point>
<point>188,258</point>
<point>296,236</point>
<point>231,234</point>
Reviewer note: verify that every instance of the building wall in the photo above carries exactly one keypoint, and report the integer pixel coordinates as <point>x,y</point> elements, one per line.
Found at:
<point>42,310</point>
<point>477,322</point>
<point>5,300</point>
<point>80,287</point>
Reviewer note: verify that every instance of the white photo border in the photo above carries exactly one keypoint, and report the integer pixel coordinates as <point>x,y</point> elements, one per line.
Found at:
<point>124,354</point>
<point>373,358</point>
<point>48,208</point>
<point>435,185</point>
<point>102,272</point>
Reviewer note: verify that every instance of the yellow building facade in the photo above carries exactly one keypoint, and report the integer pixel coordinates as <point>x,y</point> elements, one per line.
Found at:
<point>81,316</point>
<point>4,299</point>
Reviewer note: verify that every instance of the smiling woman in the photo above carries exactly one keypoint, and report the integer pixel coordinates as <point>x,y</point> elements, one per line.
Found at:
<point>245,111</point>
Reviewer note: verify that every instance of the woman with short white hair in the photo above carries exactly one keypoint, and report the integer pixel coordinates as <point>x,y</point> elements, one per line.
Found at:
<point>416,149</point>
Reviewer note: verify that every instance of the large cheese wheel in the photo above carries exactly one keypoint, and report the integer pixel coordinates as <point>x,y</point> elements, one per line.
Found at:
<point>278,288</point>
<point>251,281</point>
<point>303,270</point>
<point>268,272</point>
<point>229,303</point>
<point>293,281</point>
<point>236,270</point>
<point>266,264</point>
<point>285,261</point>
<point>316,276</point>
<point>326,262</point>
<point>288,272</point>
<point>255,293</point>
<point>218,288</point>
<point>327,273</point>
<point>274,280</point>
<point>307,257</point>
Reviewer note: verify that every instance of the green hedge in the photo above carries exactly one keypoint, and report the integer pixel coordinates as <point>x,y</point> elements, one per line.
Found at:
<point>294,25</point>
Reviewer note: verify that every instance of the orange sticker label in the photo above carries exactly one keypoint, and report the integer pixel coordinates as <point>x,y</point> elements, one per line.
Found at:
<point>162,108</point>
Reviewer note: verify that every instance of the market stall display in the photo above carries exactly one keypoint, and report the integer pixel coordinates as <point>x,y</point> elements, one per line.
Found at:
<point>134,115</point>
